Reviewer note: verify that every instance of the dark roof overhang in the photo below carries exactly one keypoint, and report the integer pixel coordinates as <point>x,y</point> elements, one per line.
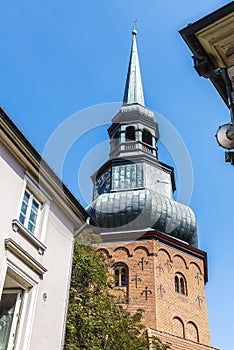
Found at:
<point>208,56</point>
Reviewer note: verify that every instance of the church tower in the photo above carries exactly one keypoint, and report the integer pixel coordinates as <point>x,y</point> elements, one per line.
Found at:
<point>151,238</point>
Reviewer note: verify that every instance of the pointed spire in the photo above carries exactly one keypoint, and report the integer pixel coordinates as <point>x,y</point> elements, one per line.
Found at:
<point>133,89</point>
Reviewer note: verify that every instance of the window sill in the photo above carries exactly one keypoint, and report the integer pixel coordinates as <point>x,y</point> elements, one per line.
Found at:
<point>18,227</point>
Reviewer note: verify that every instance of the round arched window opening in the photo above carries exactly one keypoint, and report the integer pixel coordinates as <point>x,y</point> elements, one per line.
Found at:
<point>147,137</point>
<point>130,133</point>
<point>120,275</point>
<point>180,284</point>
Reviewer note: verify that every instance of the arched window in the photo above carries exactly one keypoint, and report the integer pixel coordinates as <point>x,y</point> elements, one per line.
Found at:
<point>121,275</point>
<point>147,137</point>
<point>180,284</point>
<point>130,133</point>
<point>177,288</point>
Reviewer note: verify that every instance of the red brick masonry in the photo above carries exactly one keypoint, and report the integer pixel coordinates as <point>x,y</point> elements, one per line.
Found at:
<point>156,258</point>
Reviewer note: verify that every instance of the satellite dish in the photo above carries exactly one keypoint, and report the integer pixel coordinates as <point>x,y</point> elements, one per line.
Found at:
<point>225,136</point>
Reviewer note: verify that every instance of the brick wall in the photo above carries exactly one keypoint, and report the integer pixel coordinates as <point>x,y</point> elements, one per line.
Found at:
<point>152,266</point>
<point>178,343</point>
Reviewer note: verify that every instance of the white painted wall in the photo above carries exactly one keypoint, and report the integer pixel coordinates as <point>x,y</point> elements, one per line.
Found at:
<point>43,313</point>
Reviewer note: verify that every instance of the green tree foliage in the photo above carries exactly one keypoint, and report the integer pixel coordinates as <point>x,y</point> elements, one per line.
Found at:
<point>157,344</point>
<point>94,320</point>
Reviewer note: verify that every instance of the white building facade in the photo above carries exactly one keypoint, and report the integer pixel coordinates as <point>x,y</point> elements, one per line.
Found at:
<point>39,218</point>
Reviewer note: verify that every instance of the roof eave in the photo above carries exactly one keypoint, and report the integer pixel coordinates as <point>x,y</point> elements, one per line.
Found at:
<point>189,35</point>
<point>35,159</point>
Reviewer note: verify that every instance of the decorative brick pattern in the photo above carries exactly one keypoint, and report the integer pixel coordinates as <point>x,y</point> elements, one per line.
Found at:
<point>155,265</point>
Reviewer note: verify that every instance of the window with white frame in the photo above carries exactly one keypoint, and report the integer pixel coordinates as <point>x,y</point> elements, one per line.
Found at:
<point>30,211</point>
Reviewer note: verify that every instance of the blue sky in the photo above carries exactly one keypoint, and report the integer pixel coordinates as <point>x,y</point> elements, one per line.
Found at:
<point>59,58</point>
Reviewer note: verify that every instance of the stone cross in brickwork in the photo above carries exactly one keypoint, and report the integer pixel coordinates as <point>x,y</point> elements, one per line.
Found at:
<point>136,279</point>
<point>146,291</point>
<point>168,265</point>
<point>161,290</point>
<point>198,277</point>
<point>160,269</point>
<point>199,299</point>
<point>143,262</point>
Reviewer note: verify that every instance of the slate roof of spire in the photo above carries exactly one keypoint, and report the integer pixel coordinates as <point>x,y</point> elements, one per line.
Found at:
<point>133,89</point>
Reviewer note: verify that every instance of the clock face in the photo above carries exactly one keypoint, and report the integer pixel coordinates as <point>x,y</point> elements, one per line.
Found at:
<point>102,184</point>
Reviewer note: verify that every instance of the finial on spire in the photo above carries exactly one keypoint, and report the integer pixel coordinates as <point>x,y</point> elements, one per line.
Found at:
<point>133,92</point>
<point>134,31</point>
